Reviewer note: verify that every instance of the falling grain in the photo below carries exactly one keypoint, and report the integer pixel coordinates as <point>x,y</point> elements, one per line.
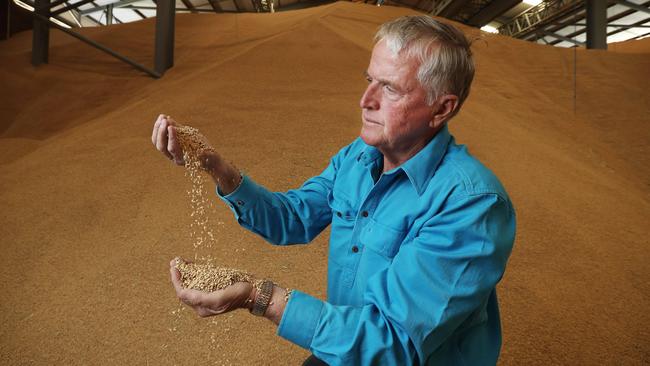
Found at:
<point>193,145</point>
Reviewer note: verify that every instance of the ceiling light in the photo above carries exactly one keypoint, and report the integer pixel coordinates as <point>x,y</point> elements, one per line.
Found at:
<point>489,29</point>
<point>30,8</point>
<point>532,2</point>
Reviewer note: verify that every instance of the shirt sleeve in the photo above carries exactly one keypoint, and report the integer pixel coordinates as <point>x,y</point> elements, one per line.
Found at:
<point>296,216</point>
<point>437,280</point>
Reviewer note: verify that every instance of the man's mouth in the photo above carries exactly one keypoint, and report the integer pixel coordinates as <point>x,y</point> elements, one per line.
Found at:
<point>369,121</point>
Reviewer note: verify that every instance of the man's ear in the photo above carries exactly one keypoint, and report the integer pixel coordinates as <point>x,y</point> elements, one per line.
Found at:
<point>443,109</point>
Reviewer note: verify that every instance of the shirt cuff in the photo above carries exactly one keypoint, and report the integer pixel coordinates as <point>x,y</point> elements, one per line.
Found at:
<point>242,197</point>
<point>300,318</point>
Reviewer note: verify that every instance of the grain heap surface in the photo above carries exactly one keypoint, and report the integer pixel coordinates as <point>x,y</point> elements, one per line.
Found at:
<point>208,278</point>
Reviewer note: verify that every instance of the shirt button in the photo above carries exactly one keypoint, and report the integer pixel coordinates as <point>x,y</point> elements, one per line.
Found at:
<point>355,249</point>
<point>240,203</point>
<point>364,214</point>
<point>338,214</point>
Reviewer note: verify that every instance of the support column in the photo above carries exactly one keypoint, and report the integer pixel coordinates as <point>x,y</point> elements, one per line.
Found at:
<point>164,53</point>
<point>109,14</point>
<point>41,33</point>
<point>5,12</point>
<point>596,24</point>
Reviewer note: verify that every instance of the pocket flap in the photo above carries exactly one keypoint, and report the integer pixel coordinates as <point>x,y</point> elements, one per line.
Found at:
<point>381,238</point>
<point>341,206</point>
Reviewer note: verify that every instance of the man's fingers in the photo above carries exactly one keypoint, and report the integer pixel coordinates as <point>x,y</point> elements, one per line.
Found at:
<point>161,139</point>
<point>154,135</point>
<point>193,297</point>
<point>173,146</point>
<point>176,278</point>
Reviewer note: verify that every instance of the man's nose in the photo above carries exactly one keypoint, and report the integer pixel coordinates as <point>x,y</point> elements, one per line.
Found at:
<point>369,98</point>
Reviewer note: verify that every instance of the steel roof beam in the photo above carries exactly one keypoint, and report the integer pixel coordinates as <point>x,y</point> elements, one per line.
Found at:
<point>448,8</point>
<point>634,6</point>
<point>117,4</point>
<point>571,19</point>
<point>188,4</point>
<point>137,7</point>
<point>556,27</point>
<point>139,13</point>
<point>624,26</point>
<point>215,6</point>
<point>539,16</point>
<point>70,7</point>
<point>633,25</point>
<point>491,11</point>
<point>563,38</point>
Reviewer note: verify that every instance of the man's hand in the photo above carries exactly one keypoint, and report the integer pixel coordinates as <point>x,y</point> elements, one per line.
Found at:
<point>165,140</point>
<point>235,296</point>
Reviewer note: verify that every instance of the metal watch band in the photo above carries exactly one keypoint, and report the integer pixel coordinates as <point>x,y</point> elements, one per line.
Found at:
<point>263,298</point>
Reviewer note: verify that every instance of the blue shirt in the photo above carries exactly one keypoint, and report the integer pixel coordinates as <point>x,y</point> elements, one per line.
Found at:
<point>415,255</point>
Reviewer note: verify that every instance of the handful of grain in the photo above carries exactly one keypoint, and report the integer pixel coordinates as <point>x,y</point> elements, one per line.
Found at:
<point>209,278</point>
<point>192,142</point>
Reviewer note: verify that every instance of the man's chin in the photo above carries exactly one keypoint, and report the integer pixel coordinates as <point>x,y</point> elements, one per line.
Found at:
<point>369,137</point>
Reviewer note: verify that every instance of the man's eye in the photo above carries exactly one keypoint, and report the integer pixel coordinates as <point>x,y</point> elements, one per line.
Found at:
<point>368,79</point>
<point>389,89</point>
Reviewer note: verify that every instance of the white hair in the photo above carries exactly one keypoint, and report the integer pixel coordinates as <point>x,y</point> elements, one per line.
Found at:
<point>446,65</point>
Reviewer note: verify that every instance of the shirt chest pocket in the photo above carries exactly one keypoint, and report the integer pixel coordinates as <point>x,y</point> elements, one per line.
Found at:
<point>381,239</point>
<point>342,209</point>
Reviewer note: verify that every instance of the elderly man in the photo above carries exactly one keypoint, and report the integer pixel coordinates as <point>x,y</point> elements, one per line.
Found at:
<point>421,230</point>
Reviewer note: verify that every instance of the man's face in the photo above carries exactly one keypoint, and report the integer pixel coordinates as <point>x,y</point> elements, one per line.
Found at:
<point>395,114</point>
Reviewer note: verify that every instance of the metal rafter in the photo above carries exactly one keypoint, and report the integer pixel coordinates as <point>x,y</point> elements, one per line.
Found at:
<point>621,29</point>
<point>634,6</point>
<point>566,19</point>
<point>639,36</point>
<point>563,38</point>
<point>117,4</point>
<point>70,7</point>
<point>215,6</point>
<point>491,11</point>
<point>57,17</point>
<point>190,6</point>
<point>137,7</point>
<point>139,13</point>
<point>38,57</point>
<point>580,15</point>
<point>539,15</point>
<point>448,8</point>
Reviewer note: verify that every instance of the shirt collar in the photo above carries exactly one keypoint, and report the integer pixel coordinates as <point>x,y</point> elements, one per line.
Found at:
<point>422,166</point>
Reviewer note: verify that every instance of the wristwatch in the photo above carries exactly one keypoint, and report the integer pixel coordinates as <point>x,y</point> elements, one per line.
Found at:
<point>262,298</point>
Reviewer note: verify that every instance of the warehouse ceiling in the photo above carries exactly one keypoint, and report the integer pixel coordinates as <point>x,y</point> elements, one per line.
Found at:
<point>559,23</point>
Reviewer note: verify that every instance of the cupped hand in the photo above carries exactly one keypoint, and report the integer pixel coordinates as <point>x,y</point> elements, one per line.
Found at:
<point>236,296</point>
